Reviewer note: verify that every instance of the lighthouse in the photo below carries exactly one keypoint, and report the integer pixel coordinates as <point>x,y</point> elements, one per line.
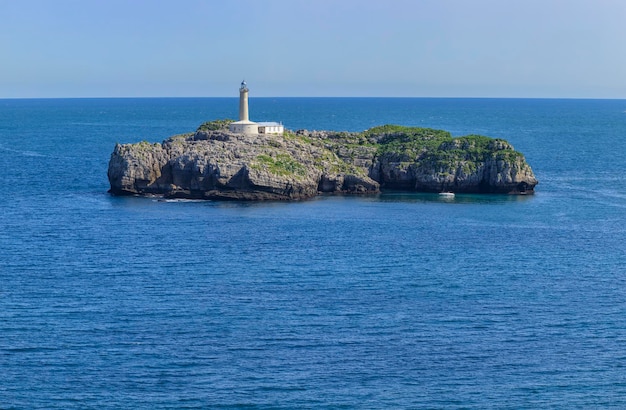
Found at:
<point>243,102</point>
<point>247,127</point>
<point>244,125</point>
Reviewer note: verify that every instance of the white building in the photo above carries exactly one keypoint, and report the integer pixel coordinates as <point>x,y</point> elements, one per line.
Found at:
<point>245,126</point>
<point>271,128</point>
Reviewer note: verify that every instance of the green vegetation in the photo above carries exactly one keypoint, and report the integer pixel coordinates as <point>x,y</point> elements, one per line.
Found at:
<point>215,125</point>
<point>291,136</point>
<point>331,163</point>
<point>180,137</point>
<point>409,143</point>
<point>389,129</point>
<point>437,149</point>
<point>281,164</point>
<point>350,139</point>
<point>406,147</point>
<point>477,148</point>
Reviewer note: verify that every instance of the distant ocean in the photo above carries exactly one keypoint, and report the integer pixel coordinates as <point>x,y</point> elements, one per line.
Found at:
<point>391,301</point>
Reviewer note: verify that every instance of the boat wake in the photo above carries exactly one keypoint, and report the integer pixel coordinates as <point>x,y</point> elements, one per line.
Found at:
<point>177,200</point>
<point>21,152</point>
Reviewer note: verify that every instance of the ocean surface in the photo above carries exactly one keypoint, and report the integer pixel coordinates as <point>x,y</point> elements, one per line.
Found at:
<point>391,301</point>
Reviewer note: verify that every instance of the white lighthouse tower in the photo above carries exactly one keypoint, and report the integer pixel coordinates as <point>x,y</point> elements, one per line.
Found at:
<point>244,125</point>
<point>243,102</point>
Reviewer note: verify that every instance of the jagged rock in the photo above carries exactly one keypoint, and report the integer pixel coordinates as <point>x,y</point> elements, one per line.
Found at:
<point>218,164</point>
<point>472,164</point>
<point>223,165</point>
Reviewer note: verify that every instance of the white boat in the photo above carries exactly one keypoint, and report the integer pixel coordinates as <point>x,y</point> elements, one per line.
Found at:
<point>447,194</point>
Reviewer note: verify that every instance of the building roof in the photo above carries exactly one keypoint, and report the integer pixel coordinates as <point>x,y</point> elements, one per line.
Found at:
<point>270,124</point>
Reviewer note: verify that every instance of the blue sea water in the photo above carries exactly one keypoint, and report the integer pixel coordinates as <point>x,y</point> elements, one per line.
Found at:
<point>390,301</point>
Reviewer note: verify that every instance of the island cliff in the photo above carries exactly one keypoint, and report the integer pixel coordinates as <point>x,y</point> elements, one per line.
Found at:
<point>214,163</point>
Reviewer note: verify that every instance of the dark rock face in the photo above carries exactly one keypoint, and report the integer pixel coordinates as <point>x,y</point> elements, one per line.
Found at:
<point>217,164</point>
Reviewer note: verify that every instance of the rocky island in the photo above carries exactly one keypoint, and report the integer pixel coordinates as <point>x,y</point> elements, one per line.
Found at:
<point>216,163</point>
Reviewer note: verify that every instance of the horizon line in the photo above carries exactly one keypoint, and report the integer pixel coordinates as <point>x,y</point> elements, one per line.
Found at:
<point>338,97</point>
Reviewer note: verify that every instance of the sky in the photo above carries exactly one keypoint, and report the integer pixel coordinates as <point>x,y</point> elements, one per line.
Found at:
<point>311,48</point>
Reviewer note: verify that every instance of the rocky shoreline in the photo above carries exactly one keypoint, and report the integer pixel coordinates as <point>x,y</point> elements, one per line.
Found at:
<point>213,163</point>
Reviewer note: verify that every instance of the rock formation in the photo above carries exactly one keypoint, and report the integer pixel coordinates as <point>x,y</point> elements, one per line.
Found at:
<point>213,163</point>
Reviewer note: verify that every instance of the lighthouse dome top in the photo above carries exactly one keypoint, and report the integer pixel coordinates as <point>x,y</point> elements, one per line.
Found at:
<point>244,86</point>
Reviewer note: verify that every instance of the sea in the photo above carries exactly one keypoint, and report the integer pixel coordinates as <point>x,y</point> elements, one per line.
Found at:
<point>398,300</point>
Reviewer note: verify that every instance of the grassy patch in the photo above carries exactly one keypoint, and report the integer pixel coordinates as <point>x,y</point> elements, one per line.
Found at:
<point>298,137</point>
<point>408,142</point>
<point>281,164</point>
<point>215,125</point>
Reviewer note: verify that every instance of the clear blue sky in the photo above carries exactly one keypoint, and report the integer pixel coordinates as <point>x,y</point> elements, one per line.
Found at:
<point>413,48</point>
